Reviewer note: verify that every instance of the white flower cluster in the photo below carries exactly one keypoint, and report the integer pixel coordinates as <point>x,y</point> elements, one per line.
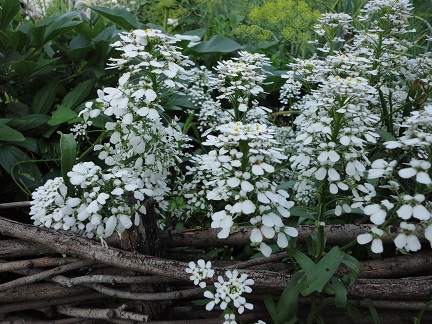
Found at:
<point>409,183</point>
<point>140,149</point>
<point>228,291</point>
<point>333,27</point>
<point>234,177</point>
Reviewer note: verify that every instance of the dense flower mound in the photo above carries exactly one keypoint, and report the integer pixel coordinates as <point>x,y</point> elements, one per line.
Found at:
<point>352,96</point>
<point>139,149</point>
<point>235,176</point>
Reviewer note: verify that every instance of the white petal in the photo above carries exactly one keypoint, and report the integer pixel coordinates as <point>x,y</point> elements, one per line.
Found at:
<point>125,221</point>
<point>248,207</point>
<point>413,243</point>
<point>407,173</point>
<point>150,95</point>
<point>420,212</point>
<point>265,249</point>
<point>364,238</point>
<point>233,182</point>
<point>282,240</point>
<point>256,235</point>
<point>400,241</point>
<point>377,246</point>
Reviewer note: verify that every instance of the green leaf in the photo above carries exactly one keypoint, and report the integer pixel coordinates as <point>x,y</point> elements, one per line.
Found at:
<point>386,136</point>
<point>68,151</point>
<point>78,94</point>
<point>120,17</point>
<point>10,134</point>
<point>217,44</point>
<point>340,292</point>
<point>23,68</point>
<point>354,265</point>
<point>61,25</point>
<point>318,274</point>
<point>9,9</point>
<point>271,308</point>
<point>45,97</point>
<point>30,144</point>
<point>28,121</point>
<point>288,301</point>
<point>62,115</point>
<point>10,155</point>
<point>373,311</point>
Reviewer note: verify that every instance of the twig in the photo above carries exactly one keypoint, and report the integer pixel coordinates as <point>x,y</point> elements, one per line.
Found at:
<point>46,301</point>
<point>180,294</point>
<point>20,248</point>
<point>106,313</point>
<point>335,234</point>
<point>17,204</point>
<point>35,263</point>
<point>69,282</point>
<point>258,261</point>
<point>45,274</point>
<point>71,243</point>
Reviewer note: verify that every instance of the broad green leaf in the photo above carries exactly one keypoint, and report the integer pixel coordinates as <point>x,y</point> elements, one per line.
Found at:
<point>4,120</point>
<point>10,155</point>
<point>354,265</point>
<point>120,17</point>
<point>62,115</point>
<point>373,311</point>
<point>271,308</point>
<point>340,292</point>
<point>30,144</point>
<point>9,9</point>
<point>78,94</point>
<point>386,136</point>
<point>217,44</point>
<point>43,67</point>
<point>288,301</point>
<point>318,274</point>
<point>10,134</point>
<point>28,121</point>
<point>23,68</point>
<point>61,25</point>
<point>45,97</point>
<point>68,151</point>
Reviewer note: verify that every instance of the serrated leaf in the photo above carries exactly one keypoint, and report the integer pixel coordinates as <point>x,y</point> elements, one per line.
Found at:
<point>68,151</point>
<point>120,17</point>
<point>217,44</point>
<point>62,115</point>
<point>9,134</point>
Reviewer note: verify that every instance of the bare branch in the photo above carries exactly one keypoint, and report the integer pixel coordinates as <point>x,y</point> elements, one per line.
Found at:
<point>96,313</point>
<point>45,274</point>
<point>180,294</point>
<point>335,234</point>
<point>69,282</point>
<point>17,204</point>
<point>48,301</point>
<point>35,263</point>
<point>21,248</point>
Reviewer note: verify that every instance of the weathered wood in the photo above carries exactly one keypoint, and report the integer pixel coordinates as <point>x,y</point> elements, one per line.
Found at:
<point>335,235</point>
<point>34,263</point>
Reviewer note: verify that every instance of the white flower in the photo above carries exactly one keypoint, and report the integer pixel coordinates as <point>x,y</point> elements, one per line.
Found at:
<point>378,212</point>
<point>407,240</point>
<point>419,169</point>
<point>374,237</point>
<point>200,271</point>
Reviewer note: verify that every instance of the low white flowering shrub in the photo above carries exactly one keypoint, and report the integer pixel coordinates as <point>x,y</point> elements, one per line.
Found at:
<point>136,147</point>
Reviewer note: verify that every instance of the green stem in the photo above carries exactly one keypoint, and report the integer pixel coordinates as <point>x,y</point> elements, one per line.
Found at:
<point>321,210</point>
<point>90,148</point>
